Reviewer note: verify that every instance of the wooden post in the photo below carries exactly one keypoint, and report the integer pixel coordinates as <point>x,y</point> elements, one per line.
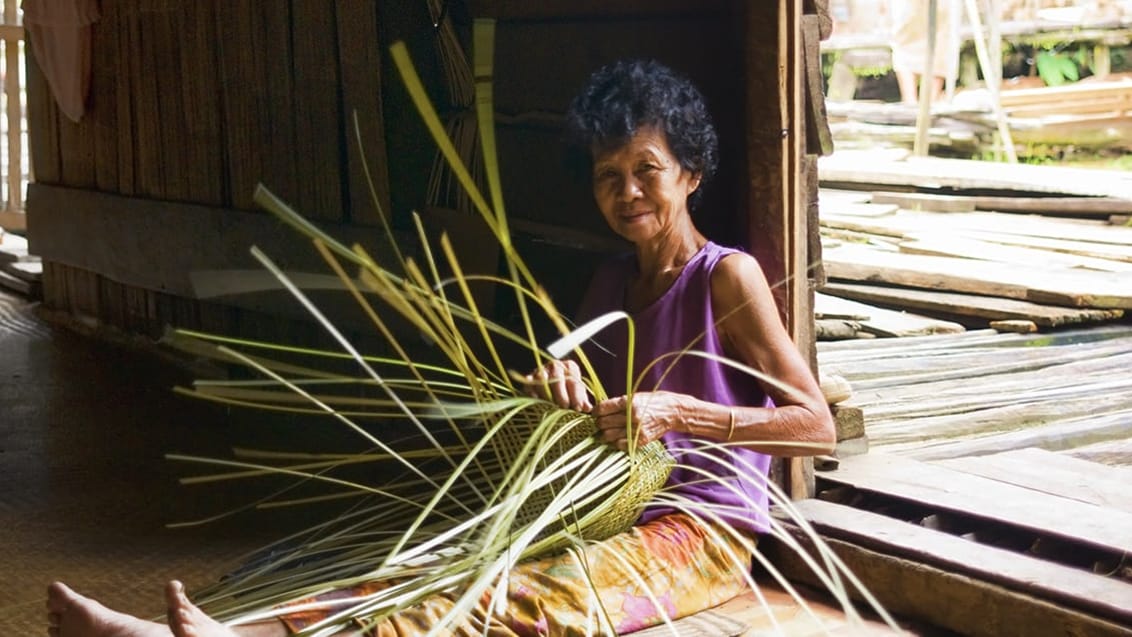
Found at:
<point>777,230</point>
<point>13,35</point>
<point>927,84</point>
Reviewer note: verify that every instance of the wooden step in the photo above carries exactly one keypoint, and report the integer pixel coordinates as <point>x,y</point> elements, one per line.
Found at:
<point>17,285</point>
<point>955,583</point>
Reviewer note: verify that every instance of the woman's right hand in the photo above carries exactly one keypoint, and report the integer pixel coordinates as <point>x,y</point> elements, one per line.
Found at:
<point>561,383</point>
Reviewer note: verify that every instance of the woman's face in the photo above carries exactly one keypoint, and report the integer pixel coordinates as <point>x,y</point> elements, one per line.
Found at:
<point>640,187</point>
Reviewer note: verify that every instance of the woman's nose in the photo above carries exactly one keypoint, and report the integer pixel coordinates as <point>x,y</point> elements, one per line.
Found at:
<point>630,188</point>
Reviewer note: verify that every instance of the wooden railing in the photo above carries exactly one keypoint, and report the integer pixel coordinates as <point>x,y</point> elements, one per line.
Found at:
<point>12,163</point>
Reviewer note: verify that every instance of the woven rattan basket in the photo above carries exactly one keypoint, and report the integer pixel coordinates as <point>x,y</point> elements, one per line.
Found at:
<point>649,469</point>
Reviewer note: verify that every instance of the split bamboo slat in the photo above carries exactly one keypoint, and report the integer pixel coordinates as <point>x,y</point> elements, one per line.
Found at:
<point>980,392</point>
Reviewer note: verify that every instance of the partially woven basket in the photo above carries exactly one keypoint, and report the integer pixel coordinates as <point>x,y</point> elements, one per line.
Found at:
<point>649,469</point>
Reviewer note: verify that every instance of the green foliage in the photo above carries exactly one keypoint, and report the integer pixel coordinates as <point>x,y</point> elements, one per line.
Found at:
<point>1056,69</point>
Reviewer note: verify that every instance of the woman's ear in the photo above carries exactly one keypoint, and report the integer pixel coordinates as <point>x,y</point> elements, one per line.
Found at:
<point>694,182</point>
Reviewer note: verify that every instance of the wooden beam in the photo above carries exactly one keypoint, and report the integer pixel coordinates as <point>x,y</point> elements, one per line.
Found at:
<point>156,245</point>
<point>959,584</point>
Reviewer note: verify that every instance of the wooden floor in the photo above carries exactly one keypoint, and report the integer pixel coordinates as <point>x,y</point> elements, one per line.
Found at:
<point>1020,543</point>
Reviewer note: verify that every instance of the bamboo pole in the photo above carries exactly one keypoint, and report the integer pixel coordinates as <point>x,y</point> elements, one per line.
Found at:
<point>992,86</point>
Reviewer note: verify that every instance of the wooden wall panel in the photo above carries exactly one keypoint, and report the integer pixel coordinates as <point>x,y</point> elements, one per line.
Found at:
<point>318,129</point>
<point>198,104</point>
<point>116,24</point>
<point>103,113</point>
<point>276,131</point>
<point>43,123</point>
<point>149,155</point>
<point>240,63</point>
<point>161,30</point>
<point>359,58</point>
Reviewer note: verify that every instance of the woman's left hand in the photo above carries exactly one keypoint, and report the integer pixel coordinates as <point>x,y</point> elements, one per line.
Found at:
<point>654,414</point>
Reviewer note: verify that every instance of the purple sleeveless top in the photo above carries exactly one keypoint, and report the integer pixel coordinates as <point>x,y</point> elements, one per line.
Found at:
<point>683,316</point>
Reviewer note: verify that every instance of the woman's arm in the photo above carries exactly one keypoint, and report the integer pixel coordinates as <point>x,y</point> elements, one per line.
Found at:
<point>752,333</point>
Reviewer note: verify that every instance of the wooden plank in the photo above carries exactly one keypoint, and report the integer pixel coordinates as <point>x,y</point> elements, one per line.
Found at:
<point>318,115</point>
<point>941,488</point>
<point>1056,436</point>
<point>1076,206</point>
<point>1115,453</point>
<point>986,251</point>
<point>1038,285</point>
<point>882,322</point>
<point>960,174</point>
<point>1118,89</point>
<point>1113,251</point>
<point>986,307</point>
<point>819,140</point>
<point>920,201</point>
<point>919,346</point>
<point>1012,579</point>
<point>1053,473</point>
<point>359,56</point>
<point>914,224</point>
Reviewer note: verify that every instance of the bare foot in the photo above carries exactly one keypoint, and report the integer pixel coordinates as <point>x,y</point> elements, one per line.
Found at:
<point>72,615</point>
<point>186,620</point>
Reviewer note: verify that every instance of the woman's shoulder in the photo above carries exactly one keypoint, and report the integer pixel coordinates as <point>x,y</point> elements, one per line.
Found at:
<point>734,271</point>
<point>729,260</point>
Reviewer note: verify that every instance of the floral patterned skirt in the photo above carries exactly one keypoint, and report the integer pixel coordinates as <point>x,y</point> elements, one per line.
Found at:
<point>668,568</point>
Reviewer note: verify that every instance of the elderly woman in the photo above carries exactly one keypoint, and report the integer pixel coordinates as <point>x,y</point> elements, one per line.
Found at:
<point>647,136</point>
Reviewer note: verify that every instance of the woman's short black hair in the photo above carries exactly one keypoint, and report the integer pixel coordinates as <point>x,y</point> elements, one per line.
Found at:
<point>625,96</point>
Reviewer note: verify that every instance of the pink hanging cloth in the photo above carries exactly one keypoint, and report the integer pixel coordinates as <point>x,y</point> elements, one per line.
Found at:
<point>60,34</point>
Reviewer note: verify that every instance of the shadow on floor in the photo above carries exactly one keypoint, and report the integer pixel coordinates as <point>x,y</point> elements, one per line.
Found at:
<point>85,489</point>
